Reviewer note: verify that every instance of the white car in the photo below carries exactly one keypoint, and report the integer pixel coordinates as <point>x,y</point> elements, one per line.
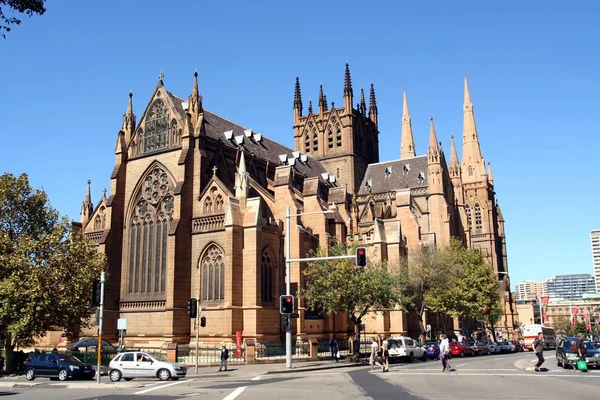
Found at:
<point>137,364</point>
<point>405,347</point>
<point>494,348</point>
<point>506,347</point>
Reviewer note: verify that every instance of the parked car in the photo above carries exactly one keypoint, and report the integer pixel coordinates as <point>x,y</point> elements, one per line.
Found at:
<point>432,349</point>
<point>460,349</point>
<point>137,364</point>
<point>518,346</point>
<point>406,348</point>
<point>59,366</point>
<point>479,347</point>
<point>493,347</point>
<point>506,347</point>
<point>566,355</point>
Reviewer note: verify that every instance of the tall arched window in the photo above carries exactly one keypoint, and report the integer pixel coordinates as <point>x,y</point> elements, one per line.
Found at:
<point>468,212</point>
<point>174,133</point>
<point>267,264</point>
<point>315,141</point>
<point>478,223</point>
<point>213,275</point>
<point>307,143</point>
<point>148,230</point>
<point>330,139</point>
<point>338,137</point>
<point>156,127</point>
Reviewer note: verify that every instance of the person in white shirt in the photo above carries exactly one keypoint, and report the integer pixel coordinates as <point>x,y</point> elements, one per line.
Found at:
<point>374,350</point>
<point>444,353</point>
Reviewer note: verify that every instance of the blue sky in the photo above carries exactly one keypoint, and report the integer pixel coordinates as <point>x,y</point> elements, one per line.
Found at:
<point>532,70</point>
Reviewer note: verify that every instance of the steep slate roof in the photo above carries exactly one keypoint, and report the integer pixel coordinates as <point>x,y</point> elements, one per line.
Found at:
<point>398,179</point>
<point>266,149</point>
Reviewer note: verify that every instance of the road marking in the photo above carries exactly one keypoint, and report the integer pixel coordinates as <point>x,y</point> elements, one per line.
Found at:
<point>542,375</point>
<point>235,393</point>
<point>163,386</point>
<point>256,378</point>
<point>460,365</point>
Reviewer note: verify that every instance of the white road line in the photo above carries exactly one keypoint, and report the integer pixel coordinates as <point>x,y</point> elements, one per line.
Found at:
<point>235,393</point>
<point>163,386</point>
<point>496,358</point>
<point>460,365</point>
<point>542,375</point>
<point>256,378</point>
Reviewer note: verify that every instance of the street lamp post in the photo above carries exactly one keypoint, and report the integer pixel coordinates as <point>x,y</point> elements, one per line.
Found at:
<point>288,326</point>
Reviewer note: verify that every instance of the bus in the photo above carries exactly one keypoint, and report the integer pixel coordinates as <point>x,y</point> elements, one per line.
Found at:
<point>530,332</point>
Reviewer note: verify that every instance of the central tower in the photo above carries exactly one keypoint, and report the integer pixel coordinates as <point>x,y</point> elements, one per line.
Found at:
<point>344,139</point>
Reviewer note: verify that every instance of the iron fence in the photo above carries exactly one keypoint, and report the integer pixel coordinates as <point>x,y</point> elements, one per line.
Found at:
<point>209,356</point>
<point>325,347</point>
<point>277,350</point>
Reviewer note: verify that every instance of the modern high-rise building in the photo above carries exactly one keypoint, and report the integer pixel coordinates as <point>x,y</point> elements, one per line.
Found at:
<point>570,287</point>
<point>526,289</point>
<point>595,238</point>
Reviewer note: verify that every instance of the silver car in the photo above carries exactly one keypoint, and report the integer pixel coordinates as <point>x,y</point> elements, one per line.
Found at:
<point>137,364</point>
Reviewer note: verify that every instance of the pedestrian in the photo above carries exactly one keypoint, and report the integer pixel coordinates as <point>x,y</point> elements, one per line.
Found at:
<point>374,350</point>
<point>538,346</point>
<point>224,357</point>
<point>444,353</point>
<point>581,348</point>
<point>333,345</point>
<point>385,366</point>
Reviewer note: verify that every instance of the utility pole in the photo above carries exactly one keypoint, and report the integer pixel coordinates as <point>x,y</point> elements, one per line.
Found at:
<point>102,280</point>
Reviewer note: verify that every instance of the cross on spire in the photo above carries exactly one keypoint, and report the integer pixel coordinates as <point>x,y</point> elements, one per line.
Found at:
<point>160,76</point>
<point>215,170</point>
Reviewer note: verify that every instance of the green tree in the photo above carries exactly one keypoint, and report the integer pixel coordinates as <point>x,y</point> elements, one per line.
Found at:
<point>564,326</point>
<point>428,273</point>
<point>338,286</point>
<point>46,268</point>
<point>471,289</point>
<point>27,7</point>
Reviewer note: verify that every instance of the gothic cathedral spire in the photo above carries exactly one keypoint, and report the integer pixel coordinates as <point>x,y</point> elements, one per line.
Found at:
<point>407,142</point>
<point>297,103</point>
<point>454,167</point>
<point>363,103</point>
<point>472,161</point>
<point>129,119</point>
<point>348,94</point>
<point>373,106</point>
<point>87,208</point>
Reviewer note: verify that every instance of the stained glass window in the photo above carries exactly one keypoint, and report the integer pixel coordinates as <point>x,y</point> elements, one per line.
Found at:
<point>338,138</point>
<point>148,227</point>
<point>468,212</point>
<point>213,275</point>
<point>267,270</point>
<point>156,127</point>
<point>478,222</point>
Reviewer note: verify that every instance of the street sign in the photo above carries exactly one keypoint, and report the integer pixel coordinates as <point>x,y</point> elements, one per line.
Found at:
<point>121,324</point>
<point>294,315</point>
<point>428,328</point>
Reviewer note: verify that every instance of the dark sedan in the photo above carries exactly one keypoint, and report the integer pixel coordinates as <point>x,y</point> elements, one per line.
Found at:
<point>60,366</point>
<point>566,353</point>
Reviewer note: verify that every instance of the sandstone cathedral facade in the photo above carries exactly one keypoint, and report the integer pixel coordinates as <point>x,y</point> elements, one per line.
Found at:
<point>197,204</point>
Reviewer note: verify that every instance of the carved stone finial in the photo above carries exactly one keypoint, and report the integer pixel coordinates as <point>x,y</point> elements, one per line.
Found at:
<point>104,192</point>
<point>161,76</point>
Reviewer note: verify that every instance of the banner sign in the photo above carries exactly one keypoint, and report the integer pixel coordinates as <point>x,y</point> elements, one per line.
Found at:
<point>238,343</point>
<point>545,299</point>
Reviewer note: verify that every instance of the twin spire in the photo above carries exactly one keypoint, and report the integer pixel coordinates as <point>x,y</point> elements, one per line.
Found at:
<point>407,144</point>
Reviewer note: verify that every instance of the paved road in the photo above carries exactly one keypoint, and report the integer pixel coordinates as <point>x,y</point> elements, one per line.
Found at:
<point>508,376</point>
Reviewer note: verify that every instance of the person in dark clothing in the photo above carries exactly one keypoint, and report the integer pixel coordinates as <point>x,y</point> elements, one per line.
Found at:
<point>580,346</point>
<point>333,345</point>
<point>224,358</point>
<point>538,345</point>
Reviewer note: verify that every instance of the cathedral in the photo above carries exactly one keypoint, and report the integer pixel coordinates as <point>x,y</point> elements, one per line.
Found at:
<point>197,209</point>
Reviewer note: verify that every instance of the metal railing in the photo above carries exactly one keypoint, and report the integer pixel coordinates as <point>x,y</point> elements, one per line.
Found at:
<point>325,348</point>
<point>277,350</point>
<point>209,356</point>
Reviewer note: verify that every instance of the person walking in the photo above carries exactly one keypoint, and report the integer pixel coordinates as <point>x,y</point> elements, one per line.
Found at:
<point>444,353</point>
<point>374,350</point>
<point>224,358</point>
<point>385,354</point>
<point>581,348</point>
<point>333,345</point>
<point>538,346</point>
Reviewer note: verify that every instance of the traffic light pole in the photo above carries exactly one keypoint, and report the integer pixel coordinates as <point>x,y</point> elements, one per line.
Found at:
<point>197,323</point>
<point>288,324</point>
<point>102,280</point>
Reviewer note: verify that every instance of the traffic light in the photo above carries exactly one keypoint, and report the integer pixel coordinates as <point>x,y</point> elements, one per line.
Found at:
<point>361,257</point>
<point>96,292</point>
<point>193,307</point>
<point>286,304</point>
<point>203,321</point>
